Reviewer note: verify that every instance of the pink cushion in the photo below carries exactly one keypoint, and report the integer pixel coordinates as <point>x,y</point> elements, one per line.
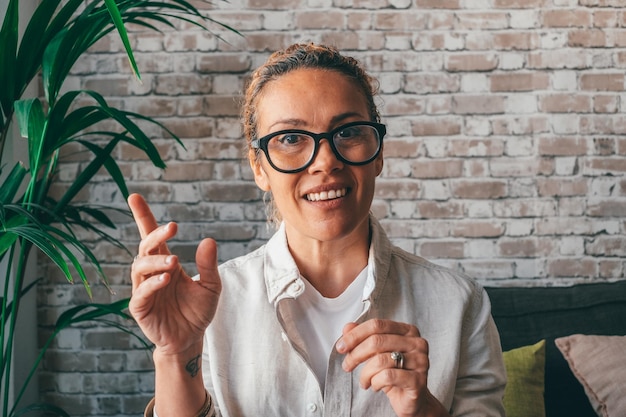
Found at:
<point>599,363</point>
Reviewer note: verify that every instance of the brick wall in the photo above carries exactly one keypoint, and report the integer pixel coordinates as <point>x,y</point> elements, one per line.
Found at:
<point>505,157</point>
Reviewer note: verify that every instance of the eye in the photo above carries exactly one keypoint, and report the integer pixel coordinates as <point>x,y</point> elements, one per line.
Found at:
<point>350,132</point>
<point>288,139</point>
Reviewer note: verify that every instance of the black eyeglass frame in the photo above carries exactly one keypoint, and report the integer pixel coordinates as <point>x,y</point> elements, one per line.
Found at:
<point>262,142</point>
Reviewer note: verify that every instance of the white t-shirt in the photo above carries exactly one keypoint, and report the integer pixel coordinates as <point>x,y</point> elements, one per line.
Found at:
<point>321,320</point>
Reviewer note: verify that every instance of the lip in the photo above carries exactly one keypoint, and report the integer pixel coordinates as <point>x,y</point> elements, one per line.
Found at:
<point>320,193</point>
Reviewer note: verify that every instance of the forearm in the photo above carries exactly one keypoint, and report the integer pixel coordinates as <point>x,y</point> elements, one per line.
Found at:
<point>179,389</point>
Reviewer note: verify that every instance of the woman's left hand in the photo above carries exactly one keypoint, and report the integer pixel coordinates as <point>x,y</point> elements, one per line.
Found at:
<point>372,343</point>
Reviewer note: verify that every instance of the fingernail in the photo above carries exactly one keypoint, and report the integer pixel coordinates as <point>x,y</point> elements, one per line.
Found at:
<point>169,260</point>
<point>162,277</point>
<point>341,346</point>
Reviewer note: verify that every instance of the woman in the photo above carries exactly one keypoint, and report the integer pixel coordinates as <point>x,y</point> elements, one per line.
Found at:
<point>328,318</point>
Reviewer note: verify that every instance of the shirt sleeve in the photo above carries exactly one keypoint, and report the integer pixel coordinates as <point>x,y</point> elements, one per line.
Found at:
<point>482,376</point>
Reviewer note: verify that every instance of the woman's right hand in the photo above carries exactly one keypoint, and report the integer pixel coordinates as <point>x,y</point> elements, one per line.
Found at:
<point>172,310</point>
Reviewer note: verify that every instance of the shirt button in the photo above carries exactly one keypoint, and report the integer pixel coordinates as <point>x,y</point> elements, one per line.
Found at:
<point>312,407</point>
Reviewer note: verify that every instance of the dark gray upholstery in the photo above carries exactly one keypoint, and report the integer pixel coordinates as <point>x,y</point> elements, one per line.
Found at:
<point>526,315</point>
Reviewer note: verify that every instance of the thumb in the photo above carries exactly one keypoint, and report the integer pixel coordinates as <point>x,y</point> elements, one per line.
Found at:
<point>206,262</point>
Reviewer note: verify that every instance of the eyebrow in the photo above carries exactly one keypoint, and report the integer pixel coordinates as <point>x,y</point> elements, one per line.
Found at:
<point>299,122</point>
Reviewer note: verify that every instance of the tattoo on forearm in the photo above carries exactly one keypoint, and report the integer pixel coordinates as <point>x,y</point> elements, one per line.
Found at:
<point>193,366</point>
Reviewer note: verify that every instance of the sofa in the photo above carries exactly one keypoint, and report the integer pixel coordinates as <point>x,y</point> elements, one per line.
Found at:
<point>525,316</point>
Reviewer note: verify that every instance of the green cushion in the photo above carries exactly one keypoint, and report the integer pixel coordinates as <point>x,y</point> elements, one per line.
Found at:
<point>523,395</point>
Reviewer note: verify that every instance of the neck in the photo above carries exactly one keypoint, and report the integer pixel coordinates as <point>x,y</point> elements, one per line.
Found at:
<point>331,266</point>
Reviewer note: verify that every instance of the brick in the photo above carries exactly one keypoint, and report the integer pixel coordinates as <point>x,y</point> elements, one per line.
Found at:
<point>481,20</point>
<point>565,103</point>
<point>558,187</point>
<point>514,167</point>
<point>437,4</point>
<point>394,21</point>
<point>607,208</point>
<point>604,166</point>
<point>431,83</point>
<point>522,125</point>
<point>602,82</point>
<point>476,147</point>
<point>587,39</point>
<point>428,42</point>
<point>515,41</point>
<point>604,146</point>
<point>518,4</point>
<point>477,229</point>
<point>519,82</point>
<point>526,247</point>
<point>611,269</point>
<point>319,20</point>
<point>558,59</point>
<point>486,269</point>
<point>605,104</point>
<point>441,249</point>
<point>470,104</point>
<point>607,246</point>
<point>605,18</point>
<point>435,209</point>
<point>437,169</point>
<point>522,208</point>
<point>563,18</point>
<point>562,146</point>
<point>275,4</point>
<point>397,189</point>
<point>436,127</point>
<point>472,62</point>
<point>228,63</point>
<point>408,147</point>
<point>404,105</point>
<point>572,267</point>
<point>475,189</point>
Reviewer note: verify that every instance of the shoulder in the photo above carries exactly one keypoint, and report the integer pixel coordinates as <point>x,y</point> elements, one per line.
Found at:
<point>425,272</point>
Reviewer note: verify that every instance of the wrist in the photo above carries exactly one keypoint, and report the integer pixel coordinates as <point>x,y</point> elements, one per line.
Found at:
<point>432,407</point>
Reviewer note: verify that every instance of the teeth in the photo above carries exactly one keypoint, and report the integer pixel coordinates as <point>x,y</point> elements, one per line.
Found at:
<point>326,195</point>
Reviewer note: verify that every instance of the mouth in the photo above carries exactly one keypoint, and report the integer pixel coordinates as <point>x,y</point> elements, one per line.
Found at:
<point>326,195</point>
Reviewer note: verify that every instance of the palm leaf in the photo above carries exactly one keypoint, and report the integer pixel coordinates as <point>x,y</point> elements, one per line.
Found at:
<point>12,183</point>
<point>8,46</point>
<point>121,29</point>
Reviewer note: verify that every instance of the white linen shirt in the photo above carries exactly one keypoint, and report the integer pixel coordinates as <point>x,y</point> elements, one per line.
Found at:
<point>255,362</point>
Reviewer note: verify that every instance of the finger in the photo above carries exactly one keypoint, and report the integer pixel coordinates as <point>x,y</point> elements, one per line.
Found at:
<point>142,214</point>
<point>206,262</point>
<point>414,361</point>
<point>143,296</point>
<point>155,242</point>
<point>396,378</point>
<point>373,346</point>
<point>358,334</point>
<point>148,266</point>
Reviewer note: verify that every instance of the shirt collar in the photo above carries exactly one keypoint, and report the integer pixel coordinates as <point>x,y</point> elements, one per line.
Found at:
<point>282,278</point>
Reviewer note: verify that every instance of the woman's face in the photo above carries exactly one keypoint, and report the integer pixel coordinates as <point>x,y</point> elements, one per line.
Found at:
<point>316,100</point>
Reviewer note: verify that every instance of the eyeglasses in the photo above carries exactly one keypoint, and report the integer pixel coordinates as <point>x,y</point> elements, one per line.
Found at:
<point>293,150</point>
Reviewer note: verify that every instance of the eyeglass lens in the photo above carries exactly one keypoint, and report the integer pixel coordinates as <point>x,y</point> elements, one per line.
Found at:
<point>294,150</point>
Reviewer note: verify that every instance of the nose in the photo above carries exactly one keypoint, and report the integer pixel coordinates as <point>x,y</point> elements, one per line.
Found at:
<point>325,159</point>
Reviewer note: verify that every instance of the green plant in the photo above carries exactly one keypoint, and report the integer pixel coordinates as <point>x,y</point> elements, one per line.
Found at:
<point>57,34</point>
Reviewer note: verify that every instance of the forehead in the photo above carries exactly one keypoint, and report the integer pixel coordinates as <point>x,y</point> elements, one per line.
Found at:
<point>310,96</point>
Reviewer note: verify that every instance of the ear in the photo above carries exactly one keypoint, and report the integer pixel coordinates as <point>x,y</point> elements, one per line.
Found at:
<point>379,163</point>
<point>260,176</point>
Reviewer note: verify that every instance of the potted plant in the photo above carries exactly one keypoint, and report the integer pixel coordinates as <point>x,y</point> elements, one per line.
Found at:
<point>57,34</point>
